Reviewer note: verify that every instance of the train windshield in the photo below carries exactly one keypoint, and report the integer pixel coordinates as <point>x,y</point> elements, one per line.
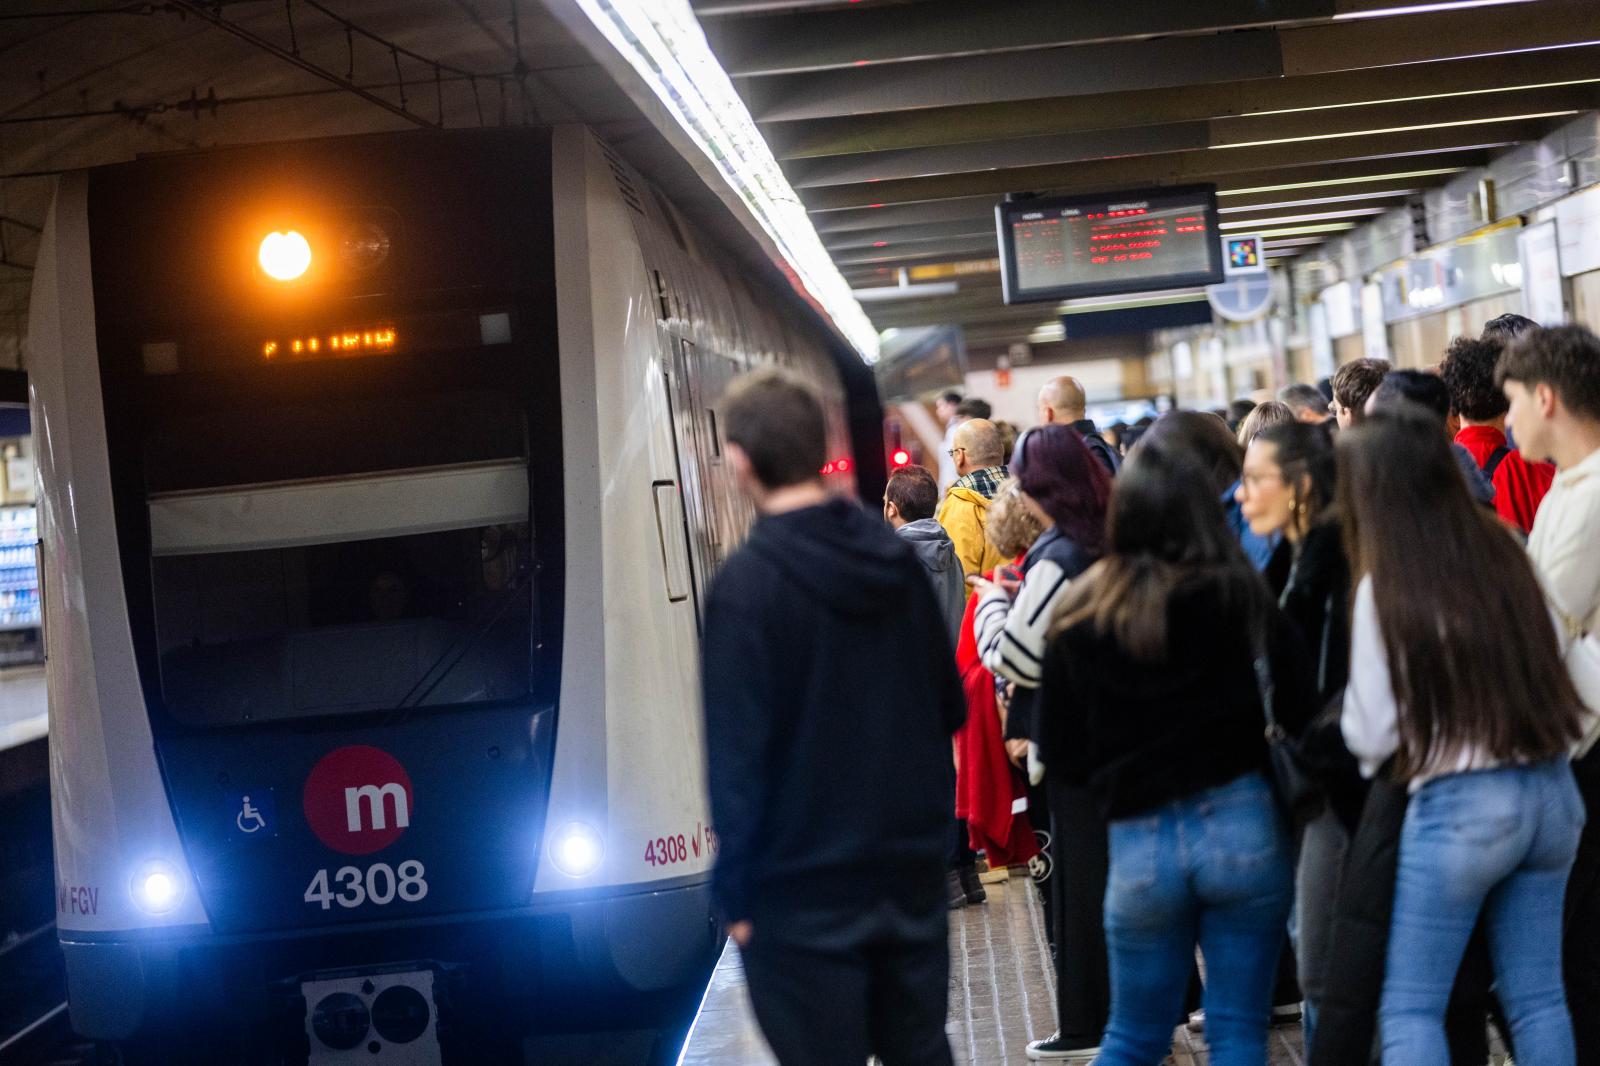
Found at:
<point>297,582</point>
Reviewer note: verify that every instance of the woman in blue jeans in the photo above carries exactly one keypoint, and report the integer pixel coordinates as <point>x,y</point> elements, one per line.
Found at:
<point>1150,699</point>
<point>1455,676</point>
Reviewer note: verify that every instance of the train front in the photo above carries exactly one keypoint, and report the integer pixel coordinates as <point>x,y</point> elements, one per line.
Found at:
<point>302,520</point>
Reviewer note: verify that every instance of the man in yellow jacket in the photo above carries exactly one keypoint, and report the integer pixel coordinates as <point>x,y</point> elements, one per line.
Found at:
<point>980,467</point>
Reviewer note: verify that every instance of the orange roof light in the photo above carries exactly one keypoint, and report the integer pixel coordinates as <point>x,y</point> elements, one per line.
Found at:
<point>284,256</point>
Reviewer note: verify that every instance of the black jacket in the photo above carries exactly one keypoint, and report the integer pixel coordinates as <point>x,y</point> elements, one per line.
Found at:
<point>1142,734</point>
<point>830,694</point>
<point>1101,447</point>
<point>1315,598</point>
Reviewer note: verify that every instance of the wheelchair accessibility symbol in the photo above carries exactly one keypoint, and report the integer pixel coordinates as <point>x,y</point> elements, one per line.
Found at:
<point>254,813</point>
<point>249,819</point>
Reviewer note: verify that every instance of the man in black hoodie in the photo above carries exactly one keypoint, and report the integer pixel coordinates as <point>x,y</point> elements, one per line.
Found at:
<point>830,697</point>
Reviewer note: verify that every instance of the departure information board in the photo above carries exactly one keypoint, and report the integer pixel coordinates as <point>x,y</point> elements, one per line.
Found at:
<point>1060,247</point>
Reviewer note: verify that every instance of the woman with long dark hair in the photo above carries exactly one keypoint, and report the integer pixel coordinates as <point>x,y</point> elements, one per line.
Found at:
<point>1067,489</point>
<point>1151,700</point>
<point>1457,681</point>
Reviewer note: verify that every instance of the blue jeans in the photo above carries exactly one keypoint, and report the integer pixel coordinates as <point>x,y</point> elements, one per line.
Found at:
<point>1500,842</point>
<point>1213,869</point>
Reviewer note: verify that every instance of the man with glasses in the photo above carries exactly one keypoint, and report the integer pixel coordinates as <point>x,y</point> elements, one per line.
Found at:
<point>980,465</point>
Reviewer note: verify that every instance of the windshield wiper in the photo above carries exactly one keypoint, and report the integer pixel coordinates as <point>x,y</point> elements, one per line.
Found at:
<point>462,645</point>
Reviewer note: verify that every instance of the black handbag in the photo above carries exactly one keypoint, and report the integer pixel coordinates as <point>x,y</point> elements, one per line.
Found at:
<point>1297,790</point>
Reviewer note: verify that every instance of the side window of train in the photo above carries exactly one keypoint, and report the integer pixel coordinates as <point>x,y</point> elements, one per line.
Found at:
<point>674,544</point>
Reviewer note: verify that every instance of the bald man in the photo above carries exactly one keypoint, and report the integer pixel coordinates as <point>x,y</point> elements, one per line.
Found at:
<point>1062,400</point>
<point>964,513</point>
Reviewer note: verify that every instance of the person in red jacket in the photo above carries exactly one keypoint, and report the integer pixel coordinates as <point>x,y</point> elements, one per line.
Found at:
<point>987,784</point>
<point>1519,485</point>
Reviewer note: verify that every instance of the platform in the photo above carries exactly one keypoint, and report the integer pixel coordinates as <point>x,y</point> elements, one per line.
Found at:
<point>22,706</point>
<point>1002,995</point>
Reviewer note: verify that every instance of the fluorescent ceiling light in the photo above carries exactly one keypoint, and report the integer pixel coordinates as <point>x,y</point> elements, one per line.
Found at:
<point>1048,332</point>
<point>1422,9</point>
<point>904,292</point>
<point>1135,299</point>
<point>1317,216</point>
<point>664,44</point>
<point>1296,231</point>
<point>1294,242</point>
<point>1427,96</point>
<point>1396,129</point>
<point>1362,180</point>
<point>1316,201</point>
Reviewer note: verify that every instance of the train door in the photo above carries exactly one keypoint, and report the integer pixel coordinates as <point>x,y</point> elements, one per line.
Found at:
<point>693,453</point>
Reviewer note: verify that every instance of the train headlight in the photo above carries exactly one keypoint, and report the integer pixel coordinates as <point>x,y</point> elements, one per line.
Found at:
<point>157,887</point>
<point>284,255</point>
<point>576,850</point>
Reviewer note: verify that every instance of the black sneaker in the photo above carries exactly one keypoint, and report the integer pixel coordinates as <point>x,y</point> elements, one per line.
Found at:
<point>955,890</point>
<point>1061,1049</point>
<point>972,886</point>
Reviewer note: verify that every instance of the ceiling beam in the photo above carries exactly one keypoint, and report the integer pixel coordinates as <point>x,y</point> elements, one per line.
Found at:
<point>1150,140</point>
<point>1343,180</point>
<point>946,250</point>
<point>980,225</point>
<point>789,42</point>
<point>1468,146</point>
<point>715,9</point>
<point>1389,192</point>
<point>1167,63</point>
<point>960,158</point>
<point>869,216</point>
<point>1172,62</point>
<point>1506,75</point>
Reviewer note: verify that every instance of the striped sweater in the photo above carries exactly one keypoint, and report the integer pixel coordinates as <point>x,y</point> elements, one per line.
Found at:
<point>1012,635</point>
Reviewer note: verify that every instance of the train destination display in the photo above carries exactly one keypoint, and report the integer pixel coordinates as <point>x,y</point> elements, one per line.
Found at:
<point>1061,247</point>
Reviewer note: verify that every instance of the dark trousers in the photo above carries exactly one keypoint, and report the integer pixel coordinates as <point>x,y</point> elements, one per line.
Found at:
<point>1039,817</point>
<point>831,1008</point>
<point>1581,944</point>
<point>960,856</point>
<point>1078,890</point>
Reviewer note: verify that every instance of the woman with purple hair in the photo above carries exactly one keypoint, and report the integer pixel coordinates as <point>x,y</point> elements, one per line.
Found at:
<point>1067,489</point>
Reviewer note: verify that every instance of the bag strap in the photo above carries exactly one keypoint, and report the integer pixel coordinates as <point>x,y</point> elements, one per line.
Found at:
<point>1266,686</point>
<point>1496,457</point>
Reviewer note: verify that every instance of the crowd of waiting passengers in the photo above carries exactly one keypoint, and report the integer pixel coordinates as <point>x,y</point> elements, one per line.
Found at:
<point>1307,697</point>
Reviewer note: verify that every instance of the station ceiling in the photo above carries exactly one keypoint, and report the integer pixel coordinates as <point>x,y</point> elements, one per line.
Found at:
<point>89,82</point>
<point>901,123</point>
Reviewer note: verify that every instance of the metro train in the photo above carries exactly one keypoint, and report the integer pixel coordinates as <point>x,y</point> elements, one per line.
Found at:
<point>380,485</point>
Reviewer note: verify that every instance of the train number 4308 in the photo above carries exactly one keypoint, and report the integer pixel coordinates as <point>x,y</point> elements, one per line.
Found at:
<point>379,883</point>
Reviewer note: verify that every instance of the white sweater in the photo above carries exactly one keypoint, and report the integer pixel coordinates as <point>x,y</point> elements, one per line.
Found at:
<point>1565,546</point>
<point>1370,719</point>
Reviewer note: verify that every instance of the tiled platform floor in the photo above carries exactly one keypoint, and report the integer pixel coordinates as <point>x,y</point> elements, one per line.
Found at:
<point>1002,995</point>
